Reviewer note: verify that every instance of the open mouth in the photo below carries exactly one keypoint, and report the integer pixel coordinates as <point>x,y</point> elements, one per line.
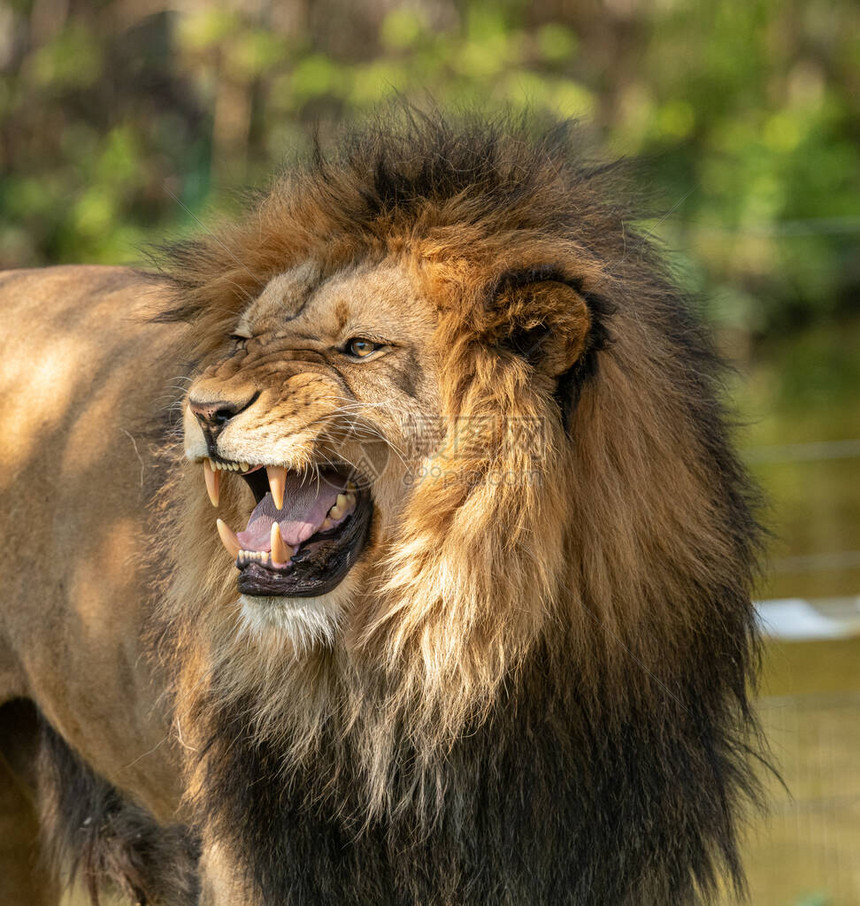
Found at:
<point>305,532</point>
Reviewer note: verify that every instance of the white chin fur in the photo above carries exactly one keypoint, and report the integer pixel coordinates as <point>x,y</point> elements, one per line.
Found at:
<point>305,622</point>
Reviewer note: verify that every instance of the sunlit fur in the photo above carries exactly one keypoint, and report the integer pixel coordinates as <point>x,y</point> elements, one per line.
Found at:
<point>537,691</point>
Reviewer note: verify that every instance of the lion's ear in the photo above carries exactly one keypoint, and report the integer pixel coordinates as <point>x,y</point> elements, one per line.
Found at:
<point>546,323</point>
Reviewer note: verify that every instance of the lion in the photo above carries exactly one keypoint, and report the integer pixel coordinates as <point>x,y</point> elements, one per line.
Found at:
<point>386,545</point>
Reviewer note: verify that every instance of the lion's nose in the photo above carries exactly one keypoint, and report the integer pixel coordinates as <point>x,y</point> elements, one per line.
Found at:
<point>214,415</point>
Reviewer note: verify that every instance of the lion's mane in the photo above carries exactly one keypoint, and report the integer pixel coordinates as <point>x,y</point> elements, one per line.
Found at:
<point>544,696</point>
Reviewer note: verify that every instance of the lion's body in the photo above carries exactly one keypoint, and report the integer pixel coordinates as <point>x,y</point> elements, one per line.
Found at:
<point>531,686</point>
<point>78,412</point>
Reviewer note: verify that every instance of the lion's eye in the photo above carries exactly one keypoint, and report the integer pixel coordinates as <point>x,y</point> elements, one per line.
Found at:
<point>238,341</point>
<point>360,347</point>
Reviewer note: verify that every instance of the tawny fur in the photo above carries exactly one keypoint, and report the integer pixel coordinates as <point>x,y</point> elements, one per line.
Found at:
<point>601,611</point>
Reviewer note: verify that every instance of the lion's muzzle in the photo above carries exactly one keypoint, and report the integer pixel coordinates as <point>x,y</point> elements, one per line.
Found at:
<point>305,532</point>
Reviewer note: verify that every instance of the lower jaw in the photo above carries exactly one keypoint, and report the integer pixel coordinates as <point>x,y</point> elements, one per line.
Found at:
<point>259,582</point>
<point>315,571</point>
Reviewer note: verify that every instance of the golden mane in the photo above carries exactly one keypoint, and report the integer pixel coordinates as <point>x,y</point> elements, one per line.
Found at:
<point>593,621</point>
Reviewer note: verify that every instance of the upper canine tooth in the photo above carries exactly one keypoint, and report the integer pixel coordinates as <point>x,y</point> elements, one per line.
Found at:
<point>228,538</point>
<point>277,482</point>
<point>213,481</point>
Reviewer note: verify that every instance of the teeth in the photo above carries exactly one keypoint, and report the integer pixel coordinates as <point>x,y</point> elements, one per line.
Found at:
<point>340,506</point>
<point>277,481</point>
<point>213,482</point>
<point>228,538</point>
<point>343,506</point>
<point>279,557</point>
<point>281,552</point>
<point>246,557</point>
<point>230,466</point>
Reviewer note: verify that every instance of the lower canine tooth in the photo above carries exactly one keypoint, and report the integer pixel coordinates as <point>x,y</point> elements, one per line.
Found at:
<point>281,552</point>
<point>228,538</point>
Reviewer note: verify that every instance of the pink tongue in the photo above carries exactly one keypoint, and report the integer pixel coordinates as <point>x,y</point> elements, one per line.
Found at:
<point>306,502</point>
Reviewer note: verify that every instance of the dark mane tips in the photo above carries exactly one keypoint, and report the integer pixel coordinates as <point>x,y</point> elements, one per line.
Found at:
<point>408,174</point>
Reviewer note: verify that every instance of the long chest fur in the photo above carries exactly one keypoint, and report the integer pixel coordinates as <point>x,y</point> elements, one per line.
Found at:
<point>550,801</point>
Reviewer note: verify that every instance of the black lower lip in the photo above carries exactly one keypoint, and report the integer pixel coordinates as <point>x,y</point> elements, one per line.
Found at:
<point>318,567</point>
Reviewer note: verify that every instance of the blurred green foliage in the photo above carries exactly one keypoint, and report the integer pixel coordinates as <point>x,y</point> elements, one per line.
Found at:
<point>124,121</point>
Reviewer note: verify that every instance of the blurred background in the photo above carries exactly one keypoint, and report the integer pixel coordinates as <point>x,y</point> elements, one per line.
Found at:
<point>126,122</point>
